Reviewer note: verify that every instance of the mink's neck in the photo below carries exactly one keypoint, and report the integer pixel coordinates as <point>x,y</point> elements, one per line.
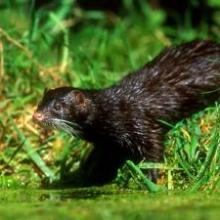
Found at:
<point>99,124</point>
<point>88,125</point>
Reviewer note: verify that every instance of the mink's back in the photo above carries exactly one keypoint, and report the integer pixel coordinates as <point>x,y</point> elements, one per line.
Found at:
<point>193,64</point>
<point>180,81</point>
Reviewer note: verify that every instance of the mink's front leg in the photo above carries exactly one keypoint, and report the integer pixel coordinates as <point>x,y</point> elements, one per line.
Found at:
<point>102,164</point>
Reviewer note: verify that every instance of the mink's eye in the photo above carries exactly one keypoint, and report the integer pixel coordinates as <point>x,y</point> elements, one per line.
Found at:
<point>57,106</point>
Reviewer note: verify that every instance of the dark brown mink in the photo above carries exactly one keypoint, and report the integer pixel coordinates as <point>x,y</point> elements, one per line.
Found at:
<point>124,121</point>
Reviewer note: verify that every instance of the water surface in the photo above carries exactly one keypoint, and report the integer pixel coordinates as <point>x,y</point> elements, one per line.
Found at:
<point>106,203</point>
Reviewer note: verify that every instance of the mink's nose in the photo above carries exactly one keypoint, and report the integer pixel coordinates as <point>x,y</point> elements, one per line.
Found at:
<point>38,117</point>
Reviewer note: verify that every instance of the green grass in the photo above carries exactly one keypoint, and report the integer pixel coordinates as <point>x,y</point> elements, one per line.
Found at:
<point>94,53</point>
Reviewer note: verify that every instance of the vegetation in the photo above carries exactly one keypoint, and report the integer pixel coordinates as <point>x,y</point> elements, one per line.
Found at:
<point>92,49</point>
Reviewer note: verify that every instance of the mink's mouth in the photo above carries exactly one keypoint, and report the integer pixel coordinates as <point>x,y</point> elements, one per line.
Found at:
<point>46,124</point>
<point>57,123</point>
<point>40,119</point>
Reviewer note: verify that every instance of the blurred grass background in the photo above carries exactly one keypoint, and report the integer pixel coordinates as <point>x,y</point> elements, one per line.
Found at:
<point>93,44</point>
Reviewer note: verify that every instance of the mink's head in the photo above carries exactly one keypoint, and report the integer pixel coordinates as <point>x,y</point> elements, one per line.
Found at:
<point>64,108</point>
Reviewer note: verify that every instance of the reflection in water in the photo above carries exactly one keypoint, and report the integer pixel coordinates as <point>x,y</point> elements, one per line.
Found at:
<point>72,194</point>
<point>30,195</point>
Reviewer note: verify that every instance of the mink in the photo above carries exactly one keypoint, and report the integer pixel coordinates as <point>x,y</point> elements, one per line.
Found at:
<point>126,121</point>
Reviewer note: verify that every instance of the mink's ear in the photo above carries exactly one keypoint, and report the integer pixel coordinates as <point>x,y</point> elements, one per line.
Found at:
<point>80,99</point>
